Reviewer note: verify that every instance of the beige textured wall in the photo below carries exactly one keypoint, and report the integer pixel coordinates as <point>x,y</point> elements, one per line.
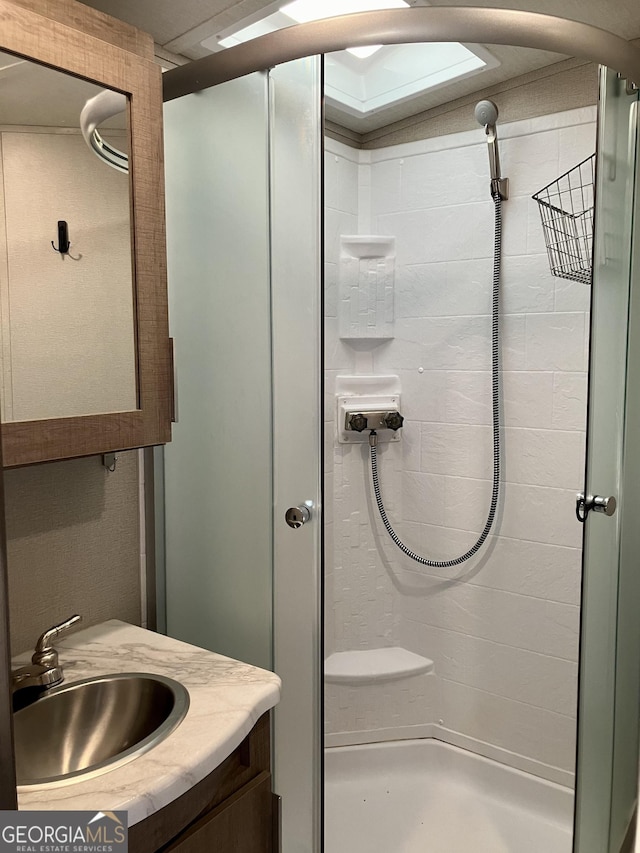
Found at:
<point>72,527</point>
<point>73,544</point>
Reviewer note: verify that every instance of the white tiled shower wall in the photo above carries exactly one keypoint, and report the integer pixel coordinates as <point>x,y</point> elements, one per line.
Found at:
<point>503,628</point>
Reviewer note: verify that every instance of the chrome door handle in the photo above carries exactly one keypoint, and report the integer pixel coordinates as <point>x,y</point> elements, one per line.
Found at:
<point>597,503</point>
<point>296,516</point>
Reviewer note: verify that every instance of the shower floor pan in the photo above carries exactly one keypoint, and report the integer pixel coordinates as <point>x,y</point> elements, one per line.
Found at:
<point>425,796</point>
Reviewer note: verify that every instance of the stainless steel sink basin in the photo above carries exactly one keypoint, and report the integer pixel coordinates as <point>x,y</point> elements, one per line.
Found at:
<point>92,726</point>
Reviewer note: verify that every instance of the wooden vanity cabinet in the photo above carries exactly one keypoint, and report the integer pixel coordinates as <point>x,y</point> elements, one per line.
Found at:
<point>86,45</point>
<point>232,810</point>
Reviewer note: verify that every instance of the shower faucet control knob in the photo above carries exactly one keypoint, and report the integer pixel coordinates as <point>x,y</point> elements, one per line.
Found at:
<point>358,422</point>
<point>394,421</point>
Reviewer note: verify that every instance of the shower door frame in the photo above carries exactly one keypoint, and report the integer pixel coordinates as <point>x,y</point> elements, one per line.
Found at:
<point>510,27</point>
<point>228,560</point>
<point>398,26</point>
<point>605,815</point>
<point>296,248</point>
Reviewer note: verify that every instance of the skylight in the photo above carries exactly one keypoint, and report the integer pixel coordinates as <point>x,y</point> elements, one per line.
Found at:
<point>398,73</point>
<point>363,80</point>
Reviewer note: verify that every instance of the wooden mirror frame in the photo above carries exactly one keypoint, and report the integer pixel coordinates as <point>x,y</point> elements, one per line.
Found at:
<point>102,50</point>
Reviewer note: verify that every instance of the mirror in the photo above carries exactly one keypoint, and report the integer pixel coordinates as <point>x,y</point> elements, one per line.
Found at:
<point>67,318</point>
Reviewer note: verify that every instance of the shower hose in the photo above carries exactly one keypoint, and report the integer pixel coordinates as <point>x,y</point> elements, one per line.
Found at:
<point>495,397</point>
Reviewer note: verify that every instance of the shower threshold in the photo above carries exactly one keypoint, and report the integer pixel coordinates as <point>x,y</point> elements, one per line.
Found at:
<point>426,796</point>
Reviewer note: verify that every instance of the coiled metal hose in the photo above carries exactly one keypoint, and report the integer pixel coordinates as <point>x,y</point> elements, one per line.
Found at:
<point>496,406</point>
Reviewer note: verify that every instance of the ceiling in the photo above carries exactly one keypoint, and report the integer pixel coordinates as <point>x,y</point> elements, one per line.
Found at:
<point>180,29</point>
<point>35,95</point>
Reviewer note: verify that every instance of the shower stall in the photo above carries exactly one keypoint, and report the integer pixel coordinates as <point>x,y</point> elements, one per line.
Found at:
<point>464,738</point>
<point>313,282</point>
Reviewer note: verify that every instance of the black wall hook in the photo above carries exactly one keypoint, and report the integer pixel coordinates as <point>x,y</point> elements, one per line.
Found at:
<point>63,238</point>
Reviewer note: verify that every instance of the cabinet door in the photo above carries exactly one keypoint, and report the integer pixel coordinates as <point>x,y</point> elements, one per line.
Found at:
<point>86,358</point>
<point>242,823</point>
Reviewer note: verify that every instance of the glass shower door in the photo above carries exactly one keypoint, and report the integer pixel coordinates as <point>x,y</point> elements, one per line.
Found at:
<point>217,469</point>
<point>243,215</point>
<point>609,713</point>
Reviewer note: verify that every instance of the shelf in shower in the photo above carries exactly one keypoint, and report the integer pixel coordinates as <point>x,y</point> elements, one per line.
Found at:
<point>366,287</point>
<point>372,666</point>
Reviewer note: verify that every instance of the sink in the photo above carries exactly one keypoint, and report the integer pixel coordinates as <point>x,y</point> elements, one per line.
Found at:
<point>92,726</point>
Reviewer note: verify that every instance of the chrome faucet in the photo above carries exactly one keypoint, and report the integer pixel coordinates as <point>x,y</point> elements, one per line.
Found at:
<point>44,671</point>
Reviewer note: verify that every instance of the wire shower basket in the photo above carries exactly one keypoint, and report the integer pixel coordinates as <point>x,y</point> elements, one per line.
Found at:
<point>566,211</point>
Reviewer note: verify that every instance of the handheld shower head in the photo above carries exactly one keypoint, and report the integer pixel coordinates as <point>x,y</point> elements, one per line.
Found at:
<point>486,113</point>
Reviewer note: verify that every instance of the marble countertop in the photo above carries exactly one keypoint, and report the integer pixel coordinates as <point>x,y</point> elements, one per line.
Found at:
<point>226,700</point>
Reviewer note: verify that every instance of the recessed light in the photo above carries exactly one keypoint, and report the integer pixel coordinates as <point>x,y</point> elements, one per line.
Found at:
<point>304,11</point>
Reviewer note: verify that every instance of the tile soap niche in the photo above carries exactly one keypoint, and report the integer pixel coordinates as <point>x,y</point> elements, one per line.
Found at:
<point>367,277</point>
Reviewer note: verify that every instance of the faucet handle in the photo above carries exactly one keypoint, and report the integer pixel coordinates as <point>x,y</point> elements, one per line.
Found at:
<point>45,654</point>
